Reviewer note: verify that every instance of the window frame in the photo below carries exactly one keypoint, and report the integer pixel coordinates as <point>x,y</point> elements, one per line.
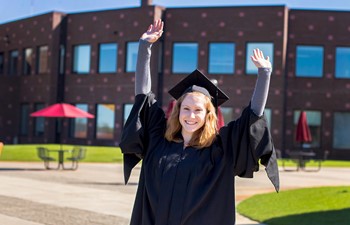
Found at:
<point>25,63</point>
<point>13,68</point>
<point>2,63</point>
<point>249,52</point>
<point>97,116</point>
<point>75,70</point>
<point>296,61</point>
<point>233,54</point>
<point>347,148</point>
<point>335,63</point>
<point>129,68</point>
<point>313,144</point>
<point>72,122</point>
<point>100,58</point>
<point>173,57</point>
<point>40,69</point>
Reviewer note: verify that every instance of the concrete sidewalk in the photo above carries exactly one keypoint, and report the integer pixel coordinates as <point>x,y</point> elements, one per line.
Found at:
<point>95,193</point>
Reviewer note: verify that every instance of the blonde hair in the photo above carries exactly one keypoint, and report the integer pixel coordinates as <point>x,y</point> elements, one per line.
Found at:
<point>204,136</point>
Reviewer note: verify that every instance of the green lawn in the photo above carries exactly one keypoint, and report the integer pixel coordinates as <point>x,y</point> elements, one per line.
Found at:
<point>309,206</point>
<point>326,163</point>
<point>108,154</point>
<point>29,153</point>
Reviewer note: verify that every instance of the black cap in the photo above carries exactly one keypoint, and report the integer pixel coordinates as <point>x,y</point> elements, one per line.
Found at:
<point>197,81</point>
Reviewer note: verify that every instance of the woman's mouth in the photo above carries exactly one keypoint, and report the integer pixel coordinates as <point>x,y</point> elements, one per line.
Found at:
<point>190,122</point>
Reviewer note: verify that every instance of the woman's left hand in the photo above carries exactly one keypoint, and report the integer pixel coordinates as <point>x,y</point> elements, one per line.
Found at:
<point>259,60</point>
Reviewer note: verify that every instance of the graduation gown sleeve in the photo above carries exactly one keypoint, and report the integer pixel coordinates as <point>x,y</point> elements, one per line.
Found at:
<point>146,121</point>
<point>248,141</point>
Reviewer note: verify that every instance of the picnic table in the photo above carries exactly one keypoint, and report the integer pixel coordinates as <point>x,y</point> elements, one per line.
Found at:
<point>77,154</point>
<point>302,157</point>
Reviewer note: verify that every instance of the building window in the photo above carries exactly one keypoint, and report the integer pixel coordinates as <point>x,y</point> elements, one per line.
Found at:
<point>62,57</point>
<point>309,61</point>
<point>108,58</point>
<point>105,121</point>
<point>341,130</point>
<point>78,126</point>
<point>27,61</point>
<point>221,58</point>
<point>39,124</point>
<point>342,62</point>
<point>13,62</point>
<point>266,48</point>
<point>24,119</point>
<point>314,122</point>
<point>127,110</point>
<point>131,56</point>
<point>267,113</point>
<point>42,59</point>
<point>227,113</point>
<point>1,63</point>
<point>185,57</point>
<point>81,60</point>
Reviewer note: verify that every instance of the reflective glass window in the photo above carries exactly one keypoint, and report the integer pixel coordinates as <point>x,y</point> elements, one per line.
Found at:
<point>42,59</point>
<point>24,119</point>
<point>314,122</point>
<point>108,58</point>
<point>62,59</point>
<point>266,48</point>
<point>105,121</point>
<point>309,61</point>
<point>81,61</point>
<point>131,56</point>
<point>39,124</point>
<point>341,130</point>
<point>13,63</point>
<point>27,61</point>
<point>78,128</point>
<point>227,113</point>
<point>127,110</point>
<point>342,62</point>
<point>1,63</point>
<point>221,58</point>
<point>267,113</point>
<point>185,57</point>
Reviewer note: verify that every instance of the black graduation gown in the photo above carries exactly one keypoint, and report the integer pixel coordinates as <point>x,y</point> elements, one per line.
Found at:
<point>191,186</point>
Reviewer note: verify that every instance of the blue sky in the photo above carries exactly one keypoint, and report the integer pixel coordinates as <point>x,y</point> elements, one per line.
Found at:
<point>16,9</point>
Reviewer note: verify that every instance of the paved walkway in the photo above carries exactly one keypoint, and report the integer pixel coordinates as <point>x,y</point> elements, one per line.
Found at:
<point>96,195</point>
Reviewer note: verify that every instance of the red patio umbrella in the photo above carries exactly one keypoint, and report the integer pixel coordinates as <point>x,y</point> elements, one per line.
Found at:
<point>303,134</point>
<point>62,110</point>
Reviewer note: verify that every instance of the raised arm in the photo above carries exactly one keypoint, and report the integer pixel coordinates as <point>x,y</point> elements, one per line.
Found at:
<point>261,90</point>
<point>143,73</point>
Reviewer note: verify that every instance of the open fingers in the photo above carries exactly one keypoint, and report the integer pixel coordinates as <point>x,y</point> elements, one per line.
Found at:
<point>158,25</point>
<point>261,54</point>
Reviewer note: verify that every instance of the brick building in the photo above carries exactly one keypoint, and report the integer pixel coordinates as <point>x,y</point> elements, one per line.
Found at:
<point>88,59</point>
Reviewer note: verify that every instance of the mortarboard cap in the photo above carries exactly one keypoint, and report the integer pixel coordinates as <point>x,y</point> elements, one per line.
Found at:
<point>197,81</point>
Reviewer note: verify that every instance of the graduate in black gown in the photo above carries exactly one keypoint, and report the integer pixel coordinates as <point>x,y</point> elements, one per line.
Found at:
<point>188,165</point>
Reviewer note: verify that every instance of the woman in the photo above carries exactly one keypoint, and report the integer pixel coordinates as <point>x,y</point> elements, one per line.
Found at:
<point>188,169</point>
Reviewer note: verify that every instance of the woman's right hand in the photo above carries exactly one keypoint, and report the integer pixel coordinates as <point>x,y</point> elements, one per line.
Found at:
<point>154,31</point>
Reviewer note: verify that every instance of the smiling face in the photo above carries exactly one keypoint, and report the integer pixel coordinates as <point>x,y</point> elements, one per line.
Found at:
<point>192,115</point>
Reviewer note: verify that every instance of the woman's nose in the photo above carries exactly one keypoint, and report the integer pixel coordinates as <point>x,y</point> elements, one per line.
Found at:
<point>192,114</point>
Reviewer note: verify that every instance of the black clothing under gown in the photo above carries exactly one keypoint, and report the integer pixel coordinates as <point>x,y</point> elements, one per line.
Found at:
<point>191,186</point>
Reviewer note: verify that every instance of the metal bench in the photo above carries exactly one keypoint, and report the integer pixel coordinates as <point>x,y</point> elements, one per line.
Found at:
<point>43,154</point>
<point>78,154</point>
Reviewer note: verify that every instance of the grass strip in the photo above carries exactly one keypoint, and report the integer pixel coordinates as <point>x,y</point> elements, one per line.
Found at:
<point>28,153</point>
<point>307,206</point>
